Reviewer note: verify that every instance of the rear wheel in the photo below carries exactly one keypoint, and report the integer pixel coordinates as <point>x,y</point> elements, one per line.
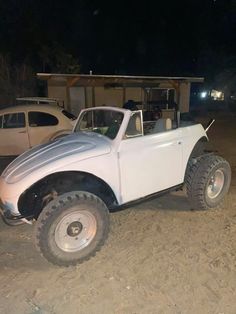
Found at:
<point>207,181</point>
<point>72,228</point>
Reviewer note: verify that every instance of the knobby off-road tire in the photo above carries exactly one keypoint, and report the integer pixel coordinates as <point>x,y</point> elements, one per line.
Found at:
<point>207,181</point>
<point>72,228</point>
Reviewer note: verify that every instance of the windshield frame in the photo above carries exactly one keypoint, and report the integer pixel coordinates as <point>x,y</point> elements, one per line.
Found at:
<point>94,109</point>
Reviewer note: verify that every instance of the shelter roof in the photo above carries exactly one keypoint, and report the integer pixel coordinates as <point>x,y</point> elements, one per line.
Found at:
<point>116,80</point>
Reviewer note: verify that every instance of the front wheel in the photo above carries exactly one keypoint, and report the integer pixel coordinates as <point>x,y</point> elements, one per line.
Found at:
<point>207,181</point>
<point>72,228</point>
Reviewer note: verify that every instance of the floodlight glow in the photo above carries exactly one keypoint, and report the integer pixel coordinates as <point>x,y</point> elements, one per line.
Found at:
<point>203,94</point>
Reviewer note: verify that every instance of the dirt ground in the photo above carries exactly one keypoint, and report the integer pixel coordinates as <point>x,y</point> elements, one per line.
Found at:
<point>161,257</point>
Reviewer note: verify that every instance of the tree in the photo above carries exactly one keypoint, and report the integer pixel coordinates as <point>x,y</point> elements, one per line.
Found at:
<point>16,80</point>
<point>56,59</point>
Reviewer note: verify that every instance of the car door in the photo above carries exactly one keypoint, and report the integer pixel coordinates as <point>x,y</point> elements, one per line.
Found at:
<point>42,126</point>
<point>13,134</point>
<point>150,163</point>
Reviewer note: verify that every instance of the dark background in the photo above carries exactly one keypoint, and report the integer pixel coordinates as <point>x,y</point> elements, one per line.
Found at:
<point>185,38</point>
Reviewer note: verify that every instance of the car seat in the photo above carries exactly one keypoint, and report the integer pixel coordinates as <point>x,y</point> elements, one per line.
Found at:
<point>112,130</point>
<point>162,125</point>
<point>134,127</point>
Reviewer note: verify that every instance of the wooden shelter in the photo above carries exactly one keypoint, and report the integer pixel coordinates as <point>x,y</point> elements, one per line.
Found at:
<point>80,91</point>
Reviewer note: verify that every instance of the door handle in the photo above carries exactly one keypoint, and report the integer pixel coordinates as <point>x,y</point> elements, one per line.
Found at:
<point>22,132</point>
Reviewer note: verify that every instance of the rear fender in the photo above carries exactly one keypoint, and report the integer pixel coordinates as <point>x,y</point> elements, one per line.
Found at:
<point>58,134</point>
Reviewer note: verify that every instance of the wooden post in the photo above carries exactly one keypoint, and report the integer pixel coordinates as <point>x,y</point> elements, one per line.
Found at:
<point>93,97</point>
<point>68,104</point>
<point>124,95</point>
<point>85,97</point>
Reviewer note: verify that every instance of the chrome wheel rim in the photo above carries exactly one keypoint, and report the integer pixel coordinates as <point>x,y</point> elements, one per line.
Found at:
<point>75,231</point>
<point>215,184</point>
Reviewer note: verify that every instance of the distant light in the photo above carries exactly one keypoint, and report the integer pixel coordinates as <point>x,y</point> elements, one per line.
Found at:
<point>203,94</point>
<point>217,95</point>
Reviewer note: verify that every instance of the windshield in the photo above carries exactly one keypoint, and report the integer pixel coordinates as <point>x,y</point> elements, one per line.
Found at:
<point>105,122</point>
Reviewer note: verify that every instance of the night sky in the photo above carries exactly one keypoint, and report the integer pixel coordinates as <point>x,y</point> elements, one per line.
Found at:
<point>190,37</point>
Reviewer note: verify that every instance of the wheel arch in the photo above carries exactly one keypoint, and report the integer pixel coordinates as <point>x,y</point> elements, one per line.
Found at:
<point>55,135</point>
<point>197,151</point>
<point>199,147</point>
<point>60,133</point>
<point>32,201</point>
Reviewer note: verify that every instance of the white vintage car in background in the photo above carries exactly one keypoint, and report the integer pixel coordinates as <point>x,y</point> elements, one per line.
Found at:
<point>24,126</point>
<point>68,186</point>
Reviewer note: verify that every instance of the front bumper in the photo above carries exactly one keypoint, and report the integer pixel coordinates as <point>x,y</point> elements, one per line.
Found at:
<point>8,204</point>
<point>6,213</point>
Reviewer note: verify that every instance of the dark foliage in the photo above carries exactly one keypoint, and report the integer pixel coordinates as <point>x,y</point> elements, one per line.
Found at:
<point>188,37</point>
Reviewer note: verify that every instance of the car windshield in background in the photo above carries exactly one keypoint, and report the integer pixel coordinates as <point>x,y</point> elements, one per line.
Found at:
<point>69,115</point>
<point>105,122</point>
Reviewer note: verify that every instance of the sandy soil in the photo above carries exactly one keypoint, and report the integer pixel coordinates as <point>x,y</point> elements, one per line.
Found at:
<point>160,257</point>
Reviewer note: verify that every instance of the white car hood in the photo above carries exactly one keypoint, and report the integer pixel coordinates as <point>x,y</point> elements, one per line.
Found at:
<point>71,148</point>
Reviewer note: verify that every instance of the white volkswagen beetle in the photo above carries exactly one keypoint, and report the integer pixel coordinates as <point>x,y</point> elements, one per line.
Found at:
<point>113,158</point>
<point>24,126</point>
